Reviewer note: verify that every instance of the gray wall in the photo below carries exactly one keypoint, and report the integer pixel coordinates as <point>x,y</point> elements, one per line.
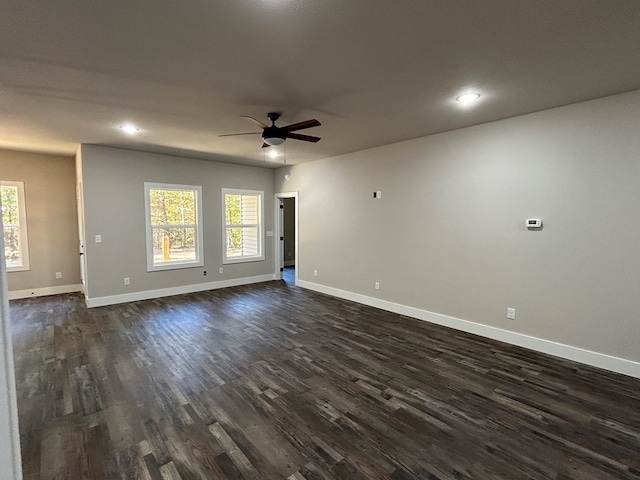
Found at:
<point>52,221</point>
<point>113,184</point>
<point>448,235</point>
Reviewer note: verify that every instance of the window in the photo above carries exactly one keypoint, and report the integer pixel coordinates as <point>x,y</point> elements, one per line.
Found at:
<point>242,211</point>
<point>174,226</point>
<point>14,222</point>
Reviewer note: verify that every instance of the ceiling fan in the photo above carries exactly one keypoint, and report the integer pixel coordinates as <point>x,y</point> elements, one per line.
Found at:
<point>273,135</point>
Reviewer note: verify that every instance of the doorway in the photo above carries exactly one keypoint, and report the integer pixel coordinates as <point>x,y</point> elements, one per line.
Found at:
<point>286,222</point>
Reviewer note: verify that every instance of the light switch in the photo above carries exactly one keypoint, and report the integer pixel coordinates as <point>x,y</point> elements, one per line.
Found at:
<point>98,238</point>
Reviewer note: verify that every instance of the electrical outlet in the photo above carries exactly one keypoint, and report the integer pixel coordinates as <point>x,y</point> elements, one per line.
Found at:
<point>377,286</point>
<point>315,273</point>
<point>98,238</point>
<point>58,274</point>
<point>220,270</point>
<point>204,273</point>
<point>511,313</point>
<point>127,281</point>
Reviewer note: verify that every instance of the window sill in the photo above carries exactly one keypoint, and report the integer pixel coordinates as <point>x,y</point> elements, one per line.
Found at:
<point>228,261</point>
<point>173,266</point>
<point>21,268</point>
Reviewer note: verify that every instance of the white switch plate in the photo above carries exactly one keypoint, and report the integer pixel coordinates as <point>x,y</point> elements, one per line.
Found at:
<point>220,270</point>
<point>58,274</point>
<point>98,238</point>
<point>377,286</point>
<point>127,281</point>
<point>315,273</point>
<point>511,313</point>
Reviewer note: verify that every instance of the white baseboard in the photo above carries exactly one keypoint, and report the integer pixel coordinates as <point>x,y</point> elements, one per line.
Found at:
<point>43,292</point>
<point>595,359</point>
<point>167,292</point>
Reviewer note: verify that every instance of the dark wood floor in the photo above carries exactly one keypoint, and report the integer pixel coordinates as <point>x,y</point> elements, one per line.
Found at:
<point>270,381</point>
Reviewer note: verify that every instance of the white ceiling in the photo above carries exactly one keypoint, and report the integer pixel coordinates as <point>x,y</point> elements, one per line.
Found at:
<point>372,72</point>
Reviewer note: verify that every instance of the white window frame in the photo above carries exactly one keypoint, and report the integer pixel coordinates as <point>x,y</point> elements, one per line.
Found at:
<point>260,225</point>
<point>22,229</point>
<point>199,261</point>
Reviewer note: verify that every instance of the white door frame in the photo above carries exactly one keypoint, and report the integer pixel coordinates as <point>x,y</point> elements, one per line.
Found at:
<point>81,238</point>
<point>279,224</point>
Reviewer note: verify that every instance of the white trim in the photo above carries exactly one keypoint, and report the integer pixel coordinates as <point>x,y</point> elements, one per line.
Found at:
<point>199,261</point>
<point>81,235</point>
<point>245,258</point>
<point>167,292</point>
<point>278,222</point>
<point>278,249</point>
<point>43,292</point>
<point>595,359</point>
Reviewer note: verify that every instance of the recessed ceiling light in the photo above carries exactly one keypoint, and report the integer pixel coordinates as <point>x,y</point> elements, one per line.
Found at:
<point>130,129</point>
<point>467,98</point>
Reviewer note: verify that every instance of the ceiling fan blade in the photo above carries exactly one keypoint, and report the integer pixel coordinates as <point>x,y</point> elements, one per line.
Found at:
<point>254,120</point>
<point>265,145</point>
<point>305,138</point>
<point>236,134</point>
<point>301,125</point>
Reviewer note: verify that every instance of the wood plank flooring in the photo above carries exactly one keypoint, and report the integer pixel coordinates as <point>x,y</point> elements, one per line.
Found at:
<point>270,381</point>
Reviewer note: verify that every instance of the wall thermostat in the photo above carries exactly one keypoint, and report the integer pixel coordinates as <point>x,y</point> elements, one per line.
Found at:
<point>534,223</point>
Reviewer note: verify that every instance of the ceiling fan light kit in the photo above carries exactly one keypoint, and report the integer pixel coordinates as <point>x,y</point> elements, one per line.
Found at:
<point>272,139</point>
